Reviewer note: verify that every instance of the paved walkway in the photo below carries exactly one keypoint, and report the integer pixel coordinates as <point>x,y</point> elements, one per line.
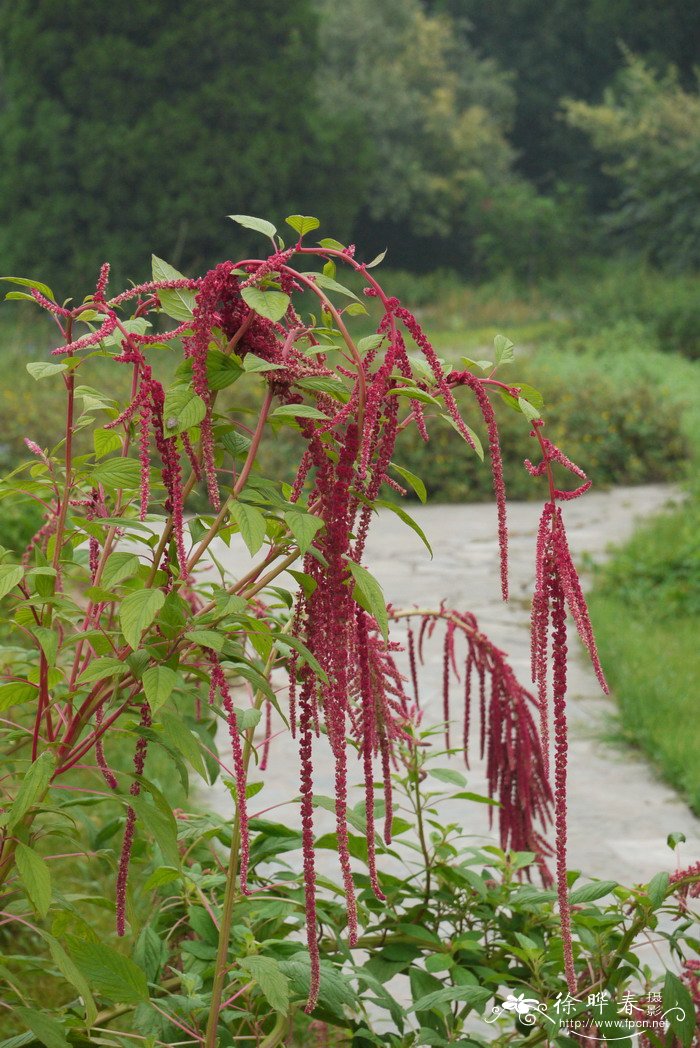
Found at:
<point>619,813</point>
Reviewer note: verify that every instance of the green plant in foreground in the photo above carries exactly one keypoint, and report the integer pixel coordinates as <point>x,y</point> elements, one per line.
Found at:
<point>127,629</point>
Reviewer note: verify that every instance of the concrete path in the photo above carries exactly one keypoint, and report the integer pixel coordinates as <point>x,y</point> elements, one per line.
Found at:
<point>619,813</point>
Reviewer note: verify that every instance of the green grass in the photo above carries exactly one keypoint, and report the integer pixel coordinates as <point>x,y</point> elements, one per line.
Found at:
<point>654,671</point>
<point>646,615</point>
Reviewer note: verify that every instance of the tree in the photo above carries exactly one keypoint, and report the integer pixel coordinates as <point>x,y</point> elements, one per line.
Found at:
<point>648,127</point>
<point>571,47</point>
<point>135,124</point>
<point>435,115</point>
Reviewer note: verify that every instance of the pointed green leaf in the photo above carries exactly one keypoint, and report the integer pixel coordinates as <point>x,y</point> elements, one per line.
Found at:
<point>271,980</point>
<point>251,523</point>
<point>269,304</point>
<point>407,519</point>
<point>302,223</point>
<point>680,1010</point>
<point>303,526</point>
<point>332,285</point>
<point>101,668</point>
<point>528,409</point>
<point>44,1028</point>
<point>137,612</point>
<point>43,289</point>
<point>158,684</point>
<point>15,692</point>
<point>160,822</point>
<point>110,973</point>
<point>377,259</point>
<point>10,576</point>
<point>368,594</point>
<point>32,788</point>
<point>36,878</point>
<point>119,566</point>
<point>182,410</point>
<point>297,411</point>
<point>117,473</point>
<point>105,441</point>
<point>258,224</point>
<point>503,349</point>
<point>412,480</point>
<point>222,371</point>
<point>177,303</point>
<point>39,369</point>
<point>180,736</point>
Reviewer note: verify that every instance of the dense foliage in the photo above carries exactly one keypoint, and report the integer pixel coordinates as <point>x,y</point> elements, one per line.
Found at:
<point>434,128</point>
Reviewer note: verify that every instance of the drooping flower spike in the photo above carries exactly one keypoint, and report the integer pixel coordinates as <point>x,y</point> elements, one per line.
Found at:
<point>351,696</point>
<point>558,588</point>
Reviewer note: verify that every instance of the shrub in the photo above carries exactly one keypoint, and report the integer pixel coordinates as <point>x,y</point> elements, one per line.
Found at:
<point>121,639</point>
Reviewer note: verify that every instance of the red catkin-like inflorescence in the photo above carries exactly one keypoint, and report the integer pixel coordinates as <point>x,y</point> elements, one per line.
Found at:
<point>130,826</point>
<point>350,695</point>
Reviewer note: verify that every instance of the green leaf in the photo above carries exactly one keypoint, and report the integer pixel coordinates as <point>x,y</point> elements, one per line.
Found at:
<point>251,523</point>
<point>222,370</point>
<point>504,349</point>
<point>332,285</point>
<point>483,365</point>
<point>48,641</point>
<point>412,480</point>
<point>182,410</point>
<point>472,995</point>
<point>111,973</point>
<point>334,245</point>
<point>158,684</point>
<point>180,736</point>
<point>43,289</point>
<point>105,441</point>
<point>370,342</point>
<point>44,1028</point>
<point>407,519</point>
<point>119,566</point>
<point>679,1009</point>
<point>302,223</point>
<point>39,369</point>
<point>674,839</point>
<point>304,527</point>
<point>377,259</point>
<point>414,393</point>
<point>266,973</point>
<point>99,668</point>
<point>253,364</point>
<point>449,775</point>
<point>591,892</point>
<point>258,224</point>
<point>528,409</point>
<point>32,788</point>
<point>297,411</point>
<point>160,822</point>
<point>15,692</point>
<point>73,975</point>
<point>207,639</point>
<point>657,888</point>
<point>117,473</point>
<point>177,303</point>
<point>36,878</point>
<point>247,717</point>
<point>137,612</point>
<point>368,594</point>
<point>269,304</point>
<point>356,309</point>
<point>10,576</point>
<point>334,992</point>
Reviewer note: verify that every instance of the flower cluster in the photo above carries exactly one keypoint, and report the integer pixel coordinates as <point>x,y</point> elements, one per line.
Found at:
<point>346,692</point>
